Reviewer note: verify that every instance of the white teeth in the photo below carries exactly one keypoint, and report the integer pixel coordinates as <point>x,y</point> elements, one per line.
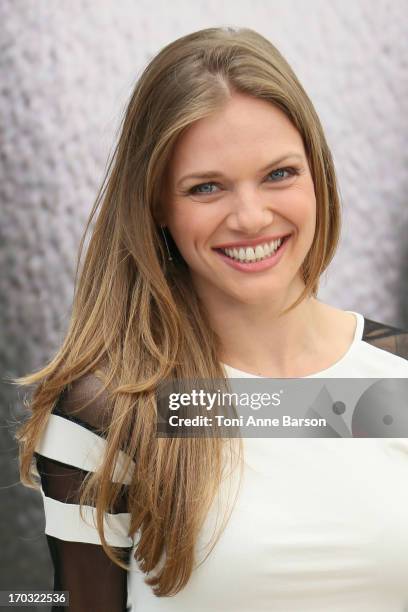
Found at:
<point>259,252</point>
<point>250,255</point>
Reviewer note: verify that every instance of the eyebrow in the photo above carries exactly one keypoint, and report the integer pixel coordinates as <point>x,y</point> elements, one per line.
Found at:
<point>215,173</point>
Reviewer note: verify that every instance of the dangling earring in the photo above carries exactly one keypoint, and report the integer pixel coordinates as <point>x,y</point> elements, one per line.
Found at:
<point>165,240</point>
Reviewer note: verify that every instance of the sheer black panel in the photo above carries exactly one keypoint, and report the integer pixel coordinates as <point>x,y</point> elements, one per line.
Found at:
<point>386,337</point>
<point>94,582</point>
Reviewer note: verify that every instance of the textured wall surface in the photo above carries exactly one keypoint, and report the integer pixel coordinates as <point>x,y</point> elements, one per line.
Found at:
<point>66,71</point>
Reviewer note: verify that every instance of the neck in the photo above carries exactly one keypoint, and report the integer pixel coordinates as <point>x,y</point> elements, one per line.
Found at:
<point>255,337</point>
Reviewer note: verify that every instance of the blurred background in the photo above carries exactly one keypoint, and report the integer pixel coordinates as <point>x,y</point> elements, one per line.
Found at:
<point>67,69</point>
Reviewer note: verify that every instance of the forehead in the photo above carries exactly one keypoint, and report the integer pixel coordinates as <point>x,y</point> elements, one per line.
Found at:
<point>246,129</point>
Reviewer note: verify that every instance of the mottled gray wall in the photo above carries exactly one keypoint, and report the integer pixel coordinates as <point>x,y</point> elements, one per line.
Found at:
<point>66,71</point>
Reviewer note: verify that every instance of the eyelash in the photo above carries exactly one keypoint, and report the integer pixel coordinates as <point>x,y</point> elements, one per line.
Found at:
<point>292,171</point>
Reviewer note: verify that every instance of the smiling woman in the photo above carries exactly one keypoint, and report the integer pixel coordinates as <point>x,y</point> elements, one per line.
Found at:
<point>218,217</point>
<point>251,207</point>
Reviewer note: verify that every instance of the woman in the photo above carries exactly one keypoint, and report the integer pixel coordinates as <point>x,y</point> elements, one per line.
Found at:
<point>217,220</point>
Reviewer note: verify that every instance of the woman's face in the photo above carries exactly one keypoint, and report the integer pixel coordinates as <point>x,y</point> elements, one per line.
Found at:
<point>257,185</point>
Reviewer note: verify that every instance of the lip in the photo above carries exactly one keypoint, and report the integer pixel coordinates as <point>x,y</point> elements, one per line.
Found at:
<point>249,243</point>
<point>258,266</point>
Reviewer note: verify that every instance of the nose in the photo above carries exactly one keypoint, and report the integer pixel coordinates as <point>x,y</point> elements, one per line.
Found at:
<point>250,213</point>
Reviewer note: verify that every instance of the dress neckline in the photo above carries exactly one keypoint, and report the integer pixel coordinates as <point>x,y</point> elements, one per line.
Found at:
<point>358,335</point>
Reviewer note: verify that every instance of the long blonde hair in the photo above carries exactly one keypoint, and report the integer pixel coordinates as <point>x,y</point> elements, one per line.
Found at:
<point>130,313</point>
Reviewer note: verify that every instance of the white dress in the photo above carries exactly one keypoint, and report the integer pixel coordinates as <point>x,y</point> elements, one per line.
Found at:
<point>320,524</point>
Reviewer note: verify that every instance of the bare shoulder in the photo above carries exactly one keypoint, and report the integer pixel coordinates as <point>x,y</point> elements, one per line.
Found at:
<point>340,323</point>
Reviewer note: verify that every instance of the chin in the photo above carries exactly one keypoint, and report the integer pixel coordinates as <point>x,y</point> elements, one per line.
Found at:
<point>261,296</point>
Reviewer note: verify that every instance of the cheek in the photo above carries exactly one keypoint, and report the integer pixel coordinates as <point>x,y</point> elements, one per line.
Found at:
<point>191,224</point>
<point>186,230</point>
<point>178,221</point>
<point>307,213</point>
<point>303,206</point>
<point>299,208</point>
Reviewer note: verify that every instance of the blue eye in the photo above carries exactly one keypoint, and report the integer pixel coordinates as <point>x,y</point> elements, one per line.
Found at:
<point>291,172</point>
<point>193,189</point>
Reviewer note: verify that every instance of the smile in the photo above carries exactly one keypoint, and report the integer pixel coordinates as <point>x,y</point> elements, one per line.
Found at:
<point>251,254</point>
<point>253,259</point>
